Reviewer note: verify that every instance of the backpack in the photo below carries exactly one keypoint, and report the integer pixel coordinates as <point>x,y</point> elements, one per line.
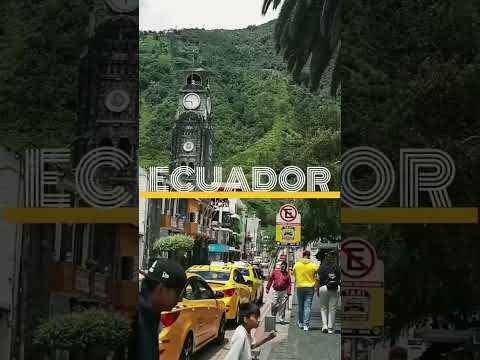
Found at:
<point>332,282</point>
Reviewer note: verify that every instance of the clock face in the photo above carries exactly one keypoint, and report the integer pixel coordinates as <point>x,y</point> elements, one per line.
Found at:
<point>188,146</point>
<point>117,100</point>
<point>123,6</point>
<point>191,101</point>
<point>209,105</point>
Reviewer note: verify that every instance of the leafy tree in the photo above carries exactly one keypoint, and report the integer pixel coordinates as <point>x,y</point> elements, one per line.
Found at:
<point>409,81</point>
<point>40,51</point>
<point>172,244</point>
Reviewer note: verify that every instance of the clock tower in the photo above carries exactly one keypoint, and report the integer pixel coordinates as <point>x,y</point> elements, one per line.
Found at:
<point>192,135</point>
<point>108,95</point>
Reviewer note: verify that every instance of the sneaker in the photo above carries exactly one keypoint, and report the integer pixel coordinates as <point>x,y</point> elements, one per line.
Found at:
<point>306,328</point>
<point>330,331</point>
<point>300,325</point>
<point>324,330</point>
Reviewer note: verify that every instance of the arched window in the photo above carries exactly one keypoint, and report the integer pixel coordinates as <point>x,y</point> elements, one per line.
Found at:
<point>194,79</point>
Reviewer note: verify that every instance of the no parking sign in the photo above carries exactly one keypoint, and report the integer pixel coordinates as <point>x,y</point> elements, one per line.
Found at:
<point>288,229</point>
<point>362,289</point>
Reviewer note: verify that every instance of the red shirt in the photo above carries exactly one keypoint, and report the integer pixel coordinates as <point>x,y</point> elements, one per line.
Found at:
<point>281,281</point>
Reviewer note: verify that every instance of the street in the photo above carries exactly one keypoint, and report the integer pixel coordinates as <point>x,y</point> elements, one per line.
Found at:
<point>291,343</point>
<point>216,352</point>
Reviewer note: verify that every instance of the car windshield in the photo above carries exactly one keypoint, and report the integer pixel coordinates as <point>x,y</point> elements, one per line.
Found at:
<point>223,276</point>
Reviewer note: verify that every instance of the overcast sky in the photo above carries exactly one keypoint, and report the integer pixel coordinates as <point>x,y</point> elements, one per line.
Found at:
<point>208,14</point>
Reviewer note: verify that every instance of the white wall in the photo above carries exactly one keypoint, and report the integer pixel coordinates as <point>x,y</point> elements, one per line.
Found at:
<point>10,244</point>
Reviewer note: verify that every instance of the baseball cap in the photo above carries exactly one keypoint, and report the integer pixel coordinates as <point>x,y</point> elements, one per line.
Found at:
<point>306,253</point>
<point>167,272</point>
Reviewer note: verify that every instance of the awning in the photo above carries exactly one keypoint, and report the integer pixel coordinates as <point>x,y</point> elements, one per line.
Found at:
<point>218,248</point>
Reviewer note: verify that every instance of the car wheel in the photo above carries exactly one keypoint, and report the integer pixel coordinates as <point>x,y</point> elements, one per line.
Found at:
<point>187,350</point>
<point>221,332</point>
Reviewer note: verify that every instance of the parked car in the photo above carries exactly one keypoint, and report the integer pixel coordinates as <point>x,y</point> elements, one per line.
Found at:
<point>254,279</point>
<point>220,263</point>
<point>195,321</point>
<point>230,282</point>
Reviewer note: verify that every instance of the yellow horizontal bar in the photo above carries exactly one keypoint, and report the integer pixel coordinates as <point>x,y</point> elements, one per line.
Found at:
<point>70,216</point>
<point>241,195</point>
<point>409,216</point>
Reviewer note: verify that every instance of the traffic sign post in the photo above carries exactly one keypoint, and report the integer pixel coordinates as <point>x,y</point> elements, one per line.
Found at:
<point>288,213</point>
<point>288,228</point>
<point>360,258</point>
<point>362,290</point>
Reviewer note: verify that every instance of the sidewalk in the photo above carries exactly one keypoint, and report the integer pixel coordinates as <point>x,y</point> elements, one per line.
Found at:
<point>314,344</point>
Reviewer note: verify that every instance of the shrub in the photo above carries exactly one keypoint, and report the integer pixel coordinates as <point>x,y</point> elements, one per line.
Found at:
<point>83,329</point>
<point>173,244</point>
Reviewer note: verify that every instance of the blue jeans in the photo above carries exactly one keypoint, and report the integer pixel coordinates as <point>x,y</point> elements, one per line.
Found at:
<point>304,297</point>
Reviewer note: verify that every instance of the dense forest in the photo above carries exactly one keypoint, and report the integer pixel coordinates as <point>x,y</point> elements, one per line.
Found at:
<point>40,46</point>
<point>410,75</point>
<point>260,117</point>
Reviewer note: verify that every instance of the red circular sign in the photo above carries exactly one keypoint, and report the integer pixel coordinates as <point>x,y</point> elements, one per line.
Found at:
<point>360,258</point>
<point>288,213</point>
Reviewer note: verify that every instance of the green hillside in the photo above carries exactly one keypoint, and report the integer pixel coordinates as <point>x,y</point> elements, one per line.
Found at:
<point>260,117</point>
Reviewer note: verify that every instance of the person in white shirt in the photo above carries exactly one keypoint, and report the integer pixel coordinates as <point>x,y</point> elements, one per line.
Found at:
<point>242,343</point>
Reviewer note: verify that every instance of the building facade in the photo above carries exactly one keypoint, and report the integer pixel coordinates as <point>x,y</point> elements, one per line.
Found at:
<point>64,267</point>
<point>11,196</point>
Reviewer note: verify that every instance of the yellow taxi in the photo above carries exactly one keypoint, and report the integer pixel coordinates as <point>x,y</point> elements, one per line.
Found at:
<point>230,282</point>
<point>254,279</point>
<point>194,322</point>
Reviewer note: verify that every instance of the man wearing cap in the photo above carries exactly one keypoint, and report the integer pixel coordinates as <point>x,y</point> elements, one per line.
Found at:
<point>160,290</point>
<point>305,280</point>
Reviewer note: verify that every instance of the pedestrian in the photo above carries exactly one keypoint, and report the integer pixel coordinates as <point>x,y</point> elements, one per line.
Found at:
<point>242,342</point>
<point>160,291</point>
<point>305,272</point>
<point>282,289</point>
<point>328,292</point>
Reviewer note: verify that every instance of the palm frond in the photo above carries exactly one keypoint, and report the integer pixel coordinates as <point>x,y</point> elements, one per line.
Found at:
<point>308,33</point>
